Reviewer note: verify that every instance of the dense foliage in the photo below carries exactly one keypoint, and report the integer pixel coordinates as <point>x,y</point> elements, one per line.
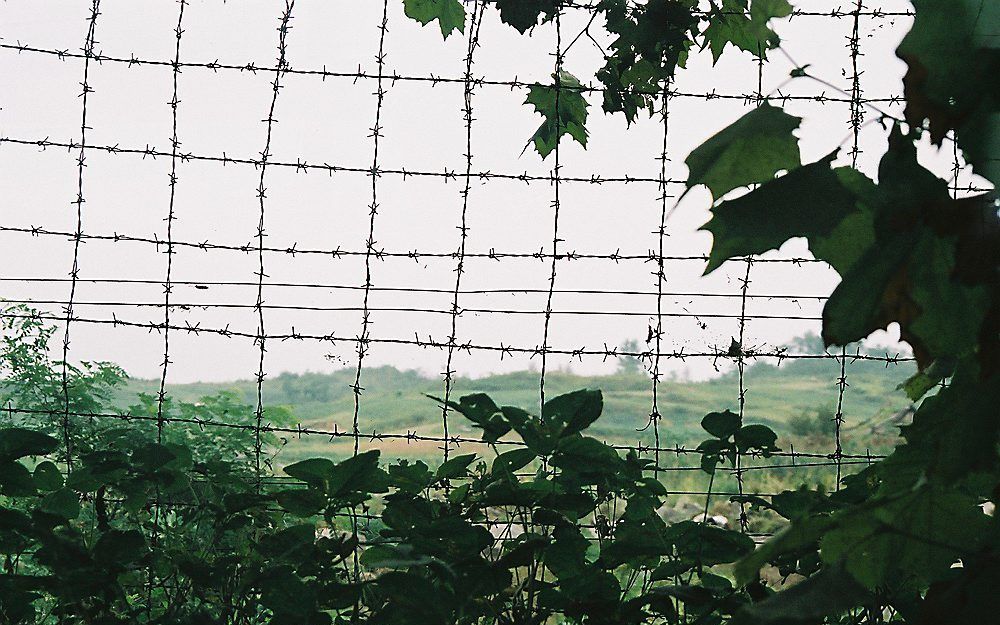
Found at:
<point>907,538</point>
<point>143,521</point>
<point>149,519</point>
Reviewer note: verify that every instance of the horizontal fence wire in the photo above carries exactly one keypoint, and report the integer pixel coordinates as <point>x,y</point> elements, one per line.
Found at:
<point>502,349</point>
<point>454,249</point>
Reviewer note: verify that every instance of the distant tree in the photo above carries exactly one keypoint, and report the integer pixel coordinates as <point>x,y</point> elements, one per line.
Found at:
<point>630,364</point>
<point>819,421</point>
<point>808,343</point>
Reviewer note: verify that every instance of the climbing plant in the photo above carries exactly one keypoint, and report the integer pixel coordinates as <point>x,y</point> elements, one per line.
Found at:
<point>906,539</point>
<point>138,519</point>
<point>136,527</point>
<point>651,41</point>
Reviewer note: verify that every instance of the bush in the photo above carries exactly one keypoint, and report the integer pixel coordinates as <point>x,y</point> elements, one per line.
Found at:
<point>820,422</point>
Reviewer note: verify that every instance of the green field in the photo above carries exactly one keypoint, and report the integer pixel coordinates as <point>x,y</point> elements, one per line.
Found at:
<point>797,399</point>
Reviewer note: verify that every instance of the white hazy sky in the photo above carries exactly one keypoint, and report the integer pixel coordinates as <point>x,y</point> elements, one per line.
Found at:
<point>329,121</point>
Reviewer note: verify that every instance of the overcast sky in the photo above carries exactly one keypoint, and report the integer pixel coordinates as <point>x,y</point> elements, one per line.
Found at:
<point>220,111</point>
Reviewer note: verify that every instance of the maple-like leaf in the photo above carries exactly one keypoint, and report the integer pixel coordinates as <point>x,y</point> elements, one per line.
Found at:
<point>952,55</point>
<point>564,109</point>
<point>523,14</point>
<point>652,41</point>
<point>748,30</point>
<point>450,14</point>
<point>750,150</point>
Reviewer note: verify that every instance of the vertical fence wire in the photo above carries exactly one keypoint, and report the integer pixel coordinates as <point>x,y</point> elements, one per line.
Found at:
<point>857,118</point>
<point>81,163</point>
<point>467,94</point>
<point>363,337</point>
<point>175,144</point>
<point>660,274</point>
<point>741,371</point>
<point>741,342</point>
<point>261,339</point>
<point>555,176</point>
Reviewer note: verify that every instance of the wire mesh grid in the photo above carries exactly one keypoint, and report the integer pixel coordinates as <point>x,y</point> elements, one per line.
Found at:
<point>330,298</point>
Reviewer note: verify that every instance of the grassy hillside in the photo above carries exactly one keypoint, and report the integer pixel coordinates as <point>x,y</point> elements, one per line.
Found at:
<point>796,399</point>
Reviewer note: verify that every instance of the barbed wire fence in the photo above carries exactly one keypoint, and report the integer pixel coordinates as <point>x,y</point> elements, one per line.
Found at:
<point>65,311</point>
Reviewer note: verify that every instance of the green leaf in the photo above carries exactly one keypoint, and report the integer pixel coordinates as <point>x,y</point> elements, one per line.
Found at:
<point>282,591</point>
<point>951,52</point>
<point>756,437</point>
<point>47,476</point>
<point>313,471</point>
<point>920,535</point>
<point>359,474</point>
<point>917,385</point>
<point>652,40</point>
<point>153,456</point>
<point>811,201</point>
<point>954,432</point>
<point>932,269</point>
<point>721,425</point>
<point>712,451</point>
<point>522,550</point>
<point>829,592</point>
<point>670,569</point>
<point>731,25</point>
<point>413,599</point>
<point>292,544</point>
<point>951,315</point>
<point>63,503</point>
<point>750,150</point>
<point>410,478</point>
<point>450,14</point>
<point>693,597</point>
<point>15,530</point>
<point>575,411</point>
<point>303,502</point>
<point>539,437</point>
<point>513,460</point>
<point>910,279</point>
<point>716,583</point>
<point>588,458</point>
<point>454,467</point>
<point>483,412</point>
<point>564,110</point>
<point>969,596</point>
<point>634,543</point>
<point>797,535</point>
<point>855,308</point>
<point>707,544</point>
<point>18,442</point>
<point>240,501</point>
<point>120,547</point>
<point>524,14</point>
<point>792,504</point>
<point>393,557</point>
<point>566,556</point>
<point>855,234</point>
<point>15,479</point>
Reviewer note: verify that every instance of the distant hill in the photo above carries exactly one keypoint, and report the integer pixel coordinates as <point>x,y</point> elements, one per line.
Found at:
<point>791,398</point>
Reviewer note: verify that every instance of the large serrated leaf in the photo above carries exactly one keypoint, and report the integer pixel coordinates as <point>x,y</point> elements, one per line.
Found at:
<point>450,14</point>
<point>751,33</point>
<point>564,110</point>
<point>811,201</point>
<point>751,150</point>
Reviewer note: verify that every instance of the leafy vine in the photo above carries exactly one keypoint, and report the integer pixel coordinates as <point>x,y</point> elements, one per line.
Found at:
<point>906,539</point>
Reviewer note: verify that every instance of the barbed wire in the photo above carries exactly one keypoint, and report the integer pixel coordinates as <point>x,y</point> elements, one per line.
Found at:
<point>504,350</point>
<point>553,255</point>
